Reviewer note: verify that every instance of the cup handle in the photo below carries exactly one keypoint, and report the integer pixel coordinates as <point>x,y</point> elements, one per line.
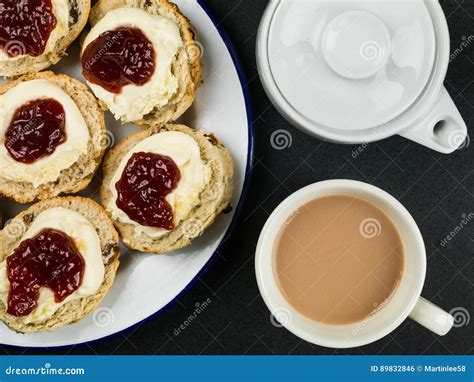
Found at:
<point>442,129</point>
<point>432,317</point>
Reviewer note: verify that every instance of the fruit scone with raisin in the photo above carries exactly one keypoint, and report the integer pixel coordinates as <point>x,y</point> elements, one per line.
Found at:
<point>164,186</point>
<point>35,34</point>
<point>141,60</point>
<point>58,260</point>
<point>52,136</point>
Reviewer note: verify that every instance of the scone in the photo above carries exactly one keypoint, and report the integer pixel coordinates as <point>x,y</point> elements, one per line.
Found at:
<point>32,41</point>
<point>141,60</point>
<point>164,186</point>
<point>52,136</point>
<point>58,260</point>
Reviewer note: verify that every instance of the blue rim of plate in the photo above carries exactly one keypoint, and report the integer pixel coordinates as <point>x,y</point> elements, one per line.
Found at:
<point>238,209</point>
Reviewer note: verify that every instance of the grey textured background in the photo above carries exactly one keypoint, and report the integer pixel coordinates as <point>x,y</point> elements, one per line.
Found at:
<point>436,189</point>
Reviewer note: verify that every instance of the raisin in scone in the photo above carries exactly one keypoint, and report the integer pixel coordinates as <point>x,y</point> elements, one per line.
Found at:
<point>52,136</point>
<point>164,186</point>
<point>35,34</point>
<point>58,260</point>
<point>141,60</point>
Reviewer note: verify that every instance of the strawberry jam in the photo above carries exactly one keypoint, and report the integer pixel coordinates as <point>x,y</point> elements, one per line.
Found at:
<point>117,58</point>
<point>36,129</point>
<point>145,182</point>
<point>25,26</point>
<point>50,259</point>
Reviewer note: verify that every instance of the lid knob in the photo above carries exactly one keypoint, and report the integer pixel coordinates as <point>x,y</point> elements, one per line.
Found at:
<point>356,44</point>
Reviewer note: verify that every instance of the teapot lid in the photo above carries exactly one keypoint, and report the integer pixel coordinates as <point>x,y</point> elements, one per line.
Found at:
<point>346,65</point>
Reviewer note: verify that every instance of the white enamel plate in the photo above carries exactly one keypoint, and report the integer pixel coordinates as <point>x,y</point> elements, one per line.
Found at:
<point>148,284</point>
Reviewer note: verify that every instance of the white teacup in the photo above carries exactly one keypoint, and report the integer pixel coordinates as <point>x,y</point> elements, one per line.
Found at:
<point>406,301</point>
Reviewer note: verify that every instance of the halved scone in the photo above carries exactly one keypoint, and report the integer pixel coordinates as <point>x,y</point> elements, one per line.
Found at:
<point>32,41</point>
<point>141,60</point>
<point>58,260</point>
<point>164,186</point>
<point>52,136</point>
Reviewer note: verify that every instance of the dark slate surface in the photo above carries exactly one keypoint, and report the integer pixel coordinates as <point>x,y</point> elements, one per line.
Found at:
<point>436,189</point>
